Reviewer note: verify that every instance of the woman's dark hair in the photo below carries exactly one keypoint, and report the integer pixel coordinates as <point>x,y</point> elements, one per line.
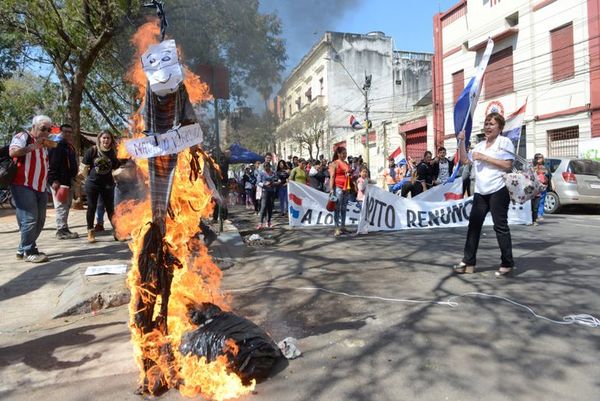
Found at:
<point>279,165</point>
<point>496,117</point>
<point>339,150</point>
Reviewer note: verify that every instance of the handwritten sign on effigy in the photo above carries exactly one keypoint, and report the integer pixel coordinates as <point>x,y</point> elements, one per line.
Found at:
<point>171,142</point>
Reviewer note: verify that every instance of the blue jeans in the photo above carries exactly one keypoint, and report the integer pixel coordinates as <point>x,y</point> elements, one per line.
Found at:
<point>339,215</point>
<point>100,211</point>
<point>542,201</point>
<point>283,198</point>
<point>31,216</point>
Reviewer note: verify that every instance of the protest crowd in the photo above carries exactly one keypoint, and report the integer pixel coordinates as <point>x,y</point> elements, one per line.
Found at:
<point>48,166</point>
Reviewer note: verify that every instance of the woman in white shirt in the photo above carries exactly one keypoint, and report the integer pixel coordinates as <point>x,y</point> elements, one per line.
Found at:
<point>491,159</point>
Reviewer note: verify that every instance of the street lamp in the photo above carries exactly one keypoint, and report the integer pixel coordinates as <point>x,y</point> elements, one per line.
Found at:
<point>364,90</point>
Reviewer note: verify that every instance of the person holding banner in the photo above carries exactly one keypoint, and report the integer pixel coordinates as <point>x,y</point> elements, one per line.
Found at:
<point>491,159</point>
<point>339,184</point>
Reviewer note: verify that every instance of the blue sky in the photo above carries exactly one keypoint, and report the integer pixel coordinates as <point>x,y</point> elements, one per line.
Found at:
<point>408,22</point>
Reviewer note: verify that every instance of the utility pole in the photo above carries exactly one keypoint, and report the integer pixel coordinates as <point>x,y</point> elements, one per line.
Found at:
<point>366,88</point>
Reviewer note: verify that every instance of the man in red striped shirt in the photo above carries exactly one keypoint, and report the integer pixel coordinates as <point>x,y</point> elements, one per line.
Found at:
<point>29,185</point>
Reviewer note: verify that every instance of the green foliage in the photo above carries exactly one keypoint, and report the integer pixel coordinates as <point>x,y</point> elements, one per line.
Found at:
<point>254,132</point>
<point>71,35</point>
<point>87,44</point>
<point>23,97</point>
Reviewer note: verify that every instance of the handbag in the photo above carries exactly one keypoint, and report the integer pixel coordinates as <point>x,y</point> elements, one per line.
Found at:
<point>522,183</point>
<point>331,202</point>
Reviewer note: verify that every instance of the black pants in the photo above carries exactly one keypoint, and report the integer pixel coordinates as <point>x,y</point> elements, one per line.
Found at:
<point>467,186</point>
<point>496,203</point>
<point>535,205</point>
<point>93,192</point>
<point>266,205</point>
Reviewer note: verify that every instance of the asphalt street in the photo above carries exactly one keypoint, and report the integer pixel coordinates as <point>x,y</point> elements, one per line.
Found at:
<point>371,315</point>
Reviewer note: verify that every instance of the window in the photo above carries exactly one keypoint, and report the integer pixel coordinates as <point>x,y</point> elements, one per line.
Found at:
<point>563,142</point>
<point>321,86</point>
<point>299,103</point>
<point>563,60</point>
<point>308,95</point>
<point>458,84</point>
<point>498,79</point>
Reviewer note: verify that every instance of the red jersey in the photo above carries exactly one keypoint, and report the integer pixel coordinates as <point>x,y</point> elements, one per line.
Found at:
<point>32,169</point>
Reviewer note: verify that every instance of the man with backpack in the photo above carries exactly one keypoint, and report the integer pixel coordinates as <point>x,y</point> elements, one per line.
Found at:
<point>28,187</point>
<point>62,171</point>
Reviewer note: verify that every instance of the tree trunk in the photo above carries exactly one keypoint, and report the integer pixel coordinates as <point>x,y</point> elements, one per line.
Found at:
<point>74,109</point>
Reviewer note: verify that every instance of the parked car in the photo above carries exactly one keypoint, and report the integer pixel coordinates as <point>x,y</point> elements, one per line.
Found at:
<point>574,182</point>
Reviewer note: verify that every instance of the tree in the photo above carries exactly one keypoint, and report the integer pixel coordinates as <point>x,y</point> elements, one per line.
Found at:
<point>307,129</point>
<point>86,43</point>
<point>70,35</point>
<point>24,96</point>
<point>233,33</point>
<point>252,132</point>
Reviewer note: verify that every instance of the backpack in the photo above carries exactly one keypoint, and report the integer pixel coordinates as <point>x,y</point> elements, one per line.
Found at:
<point>8,167</point>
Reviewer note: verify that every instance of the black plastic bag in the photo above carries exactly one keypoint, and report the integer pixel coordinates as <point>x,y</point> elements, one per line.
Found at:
<point>257,354</point>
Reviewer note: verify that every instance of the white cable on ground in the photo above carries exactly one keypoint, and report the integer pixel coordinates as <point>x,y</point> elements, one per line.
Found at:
<point>582,319</point>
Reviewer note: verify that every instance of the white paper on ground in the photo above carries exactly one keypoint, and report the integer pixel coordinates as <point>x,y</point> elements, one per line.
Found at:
<point>106,269</point>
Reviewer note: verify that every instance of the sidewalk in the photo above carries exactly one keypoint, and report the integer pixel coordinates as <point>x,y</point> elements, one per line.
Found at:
<point>31,293</point>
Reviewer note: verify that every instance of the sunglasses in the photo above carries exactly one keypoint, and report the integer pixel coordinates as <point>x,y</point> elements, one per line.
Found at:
<point>45,129</point>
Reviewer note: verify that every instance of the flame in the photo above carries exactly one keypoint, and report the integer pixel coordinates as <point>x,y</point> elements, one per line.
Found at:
<point>198,280</point>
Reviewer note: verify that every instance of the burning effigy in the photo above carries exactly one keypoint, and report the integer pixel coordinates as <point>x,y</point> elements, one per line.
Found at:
<point>183,332</point>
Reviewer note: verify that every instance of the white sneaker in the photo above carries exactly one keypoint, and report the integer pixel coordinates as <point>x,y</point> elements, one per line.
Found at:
<point>36,258</point>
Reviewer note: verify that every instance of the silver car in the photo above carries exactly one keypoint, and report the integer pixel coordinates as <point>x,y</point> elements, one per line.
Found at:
<point>574,181</point>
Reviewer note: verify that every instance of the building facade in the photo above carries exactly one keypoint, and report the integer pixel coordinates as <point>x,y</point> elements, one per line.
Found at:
<point>333,75</point>
<point>547,52</point>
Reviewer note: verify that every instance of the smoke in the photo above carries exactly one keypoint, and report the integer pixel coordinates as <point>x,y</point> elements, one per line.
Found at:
<point>305,21</point>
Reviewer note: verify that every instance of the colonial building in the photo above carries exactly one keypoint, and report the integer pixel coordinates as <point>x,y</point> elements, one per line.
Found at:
<point>334,76</point>
<point>547,52</point>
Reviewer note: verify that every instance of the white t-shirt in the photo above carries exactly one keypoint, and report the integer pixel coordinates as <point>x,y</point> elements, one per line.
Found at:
<point>490,178</point>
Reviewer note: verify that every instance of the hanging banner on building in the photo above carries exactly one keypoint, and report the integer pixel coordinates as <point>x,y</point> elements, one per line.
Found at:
<point>384,211</point>
<point>171,142</point>
<point>307,207</point>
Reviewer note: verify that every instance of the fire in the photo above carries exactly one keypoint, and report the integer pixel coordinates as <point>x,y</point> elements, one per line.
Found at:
<point>197,280</point>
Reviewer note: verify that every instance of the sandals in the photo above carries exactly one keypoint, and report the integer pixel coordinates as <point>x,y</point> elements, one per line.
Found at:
<point>463,268</point>
<point>504,272</point>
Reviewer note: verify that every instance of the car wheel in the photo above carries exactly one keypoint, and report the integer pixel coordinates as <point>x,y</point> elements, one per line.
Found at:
<point>552,203</point>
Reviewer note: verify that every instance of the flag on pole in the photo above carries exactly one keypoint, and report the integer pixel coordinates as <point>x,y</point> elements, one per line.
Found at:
<point>355,123</point>
<point>467,101</point>
<point>398,156</point>
<point>514,122</point>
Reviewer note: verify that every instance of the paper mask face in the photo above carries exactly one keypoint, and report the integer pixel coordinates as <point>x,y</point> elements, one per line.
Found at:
<point>162,68</point>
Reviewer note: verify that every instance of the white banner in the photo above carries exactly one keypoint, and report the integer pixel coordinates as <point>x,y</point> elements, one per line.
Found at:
<point>171,142</point>
<point>307,207</point>
<point>384,211</point>
<point>443,192</point>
